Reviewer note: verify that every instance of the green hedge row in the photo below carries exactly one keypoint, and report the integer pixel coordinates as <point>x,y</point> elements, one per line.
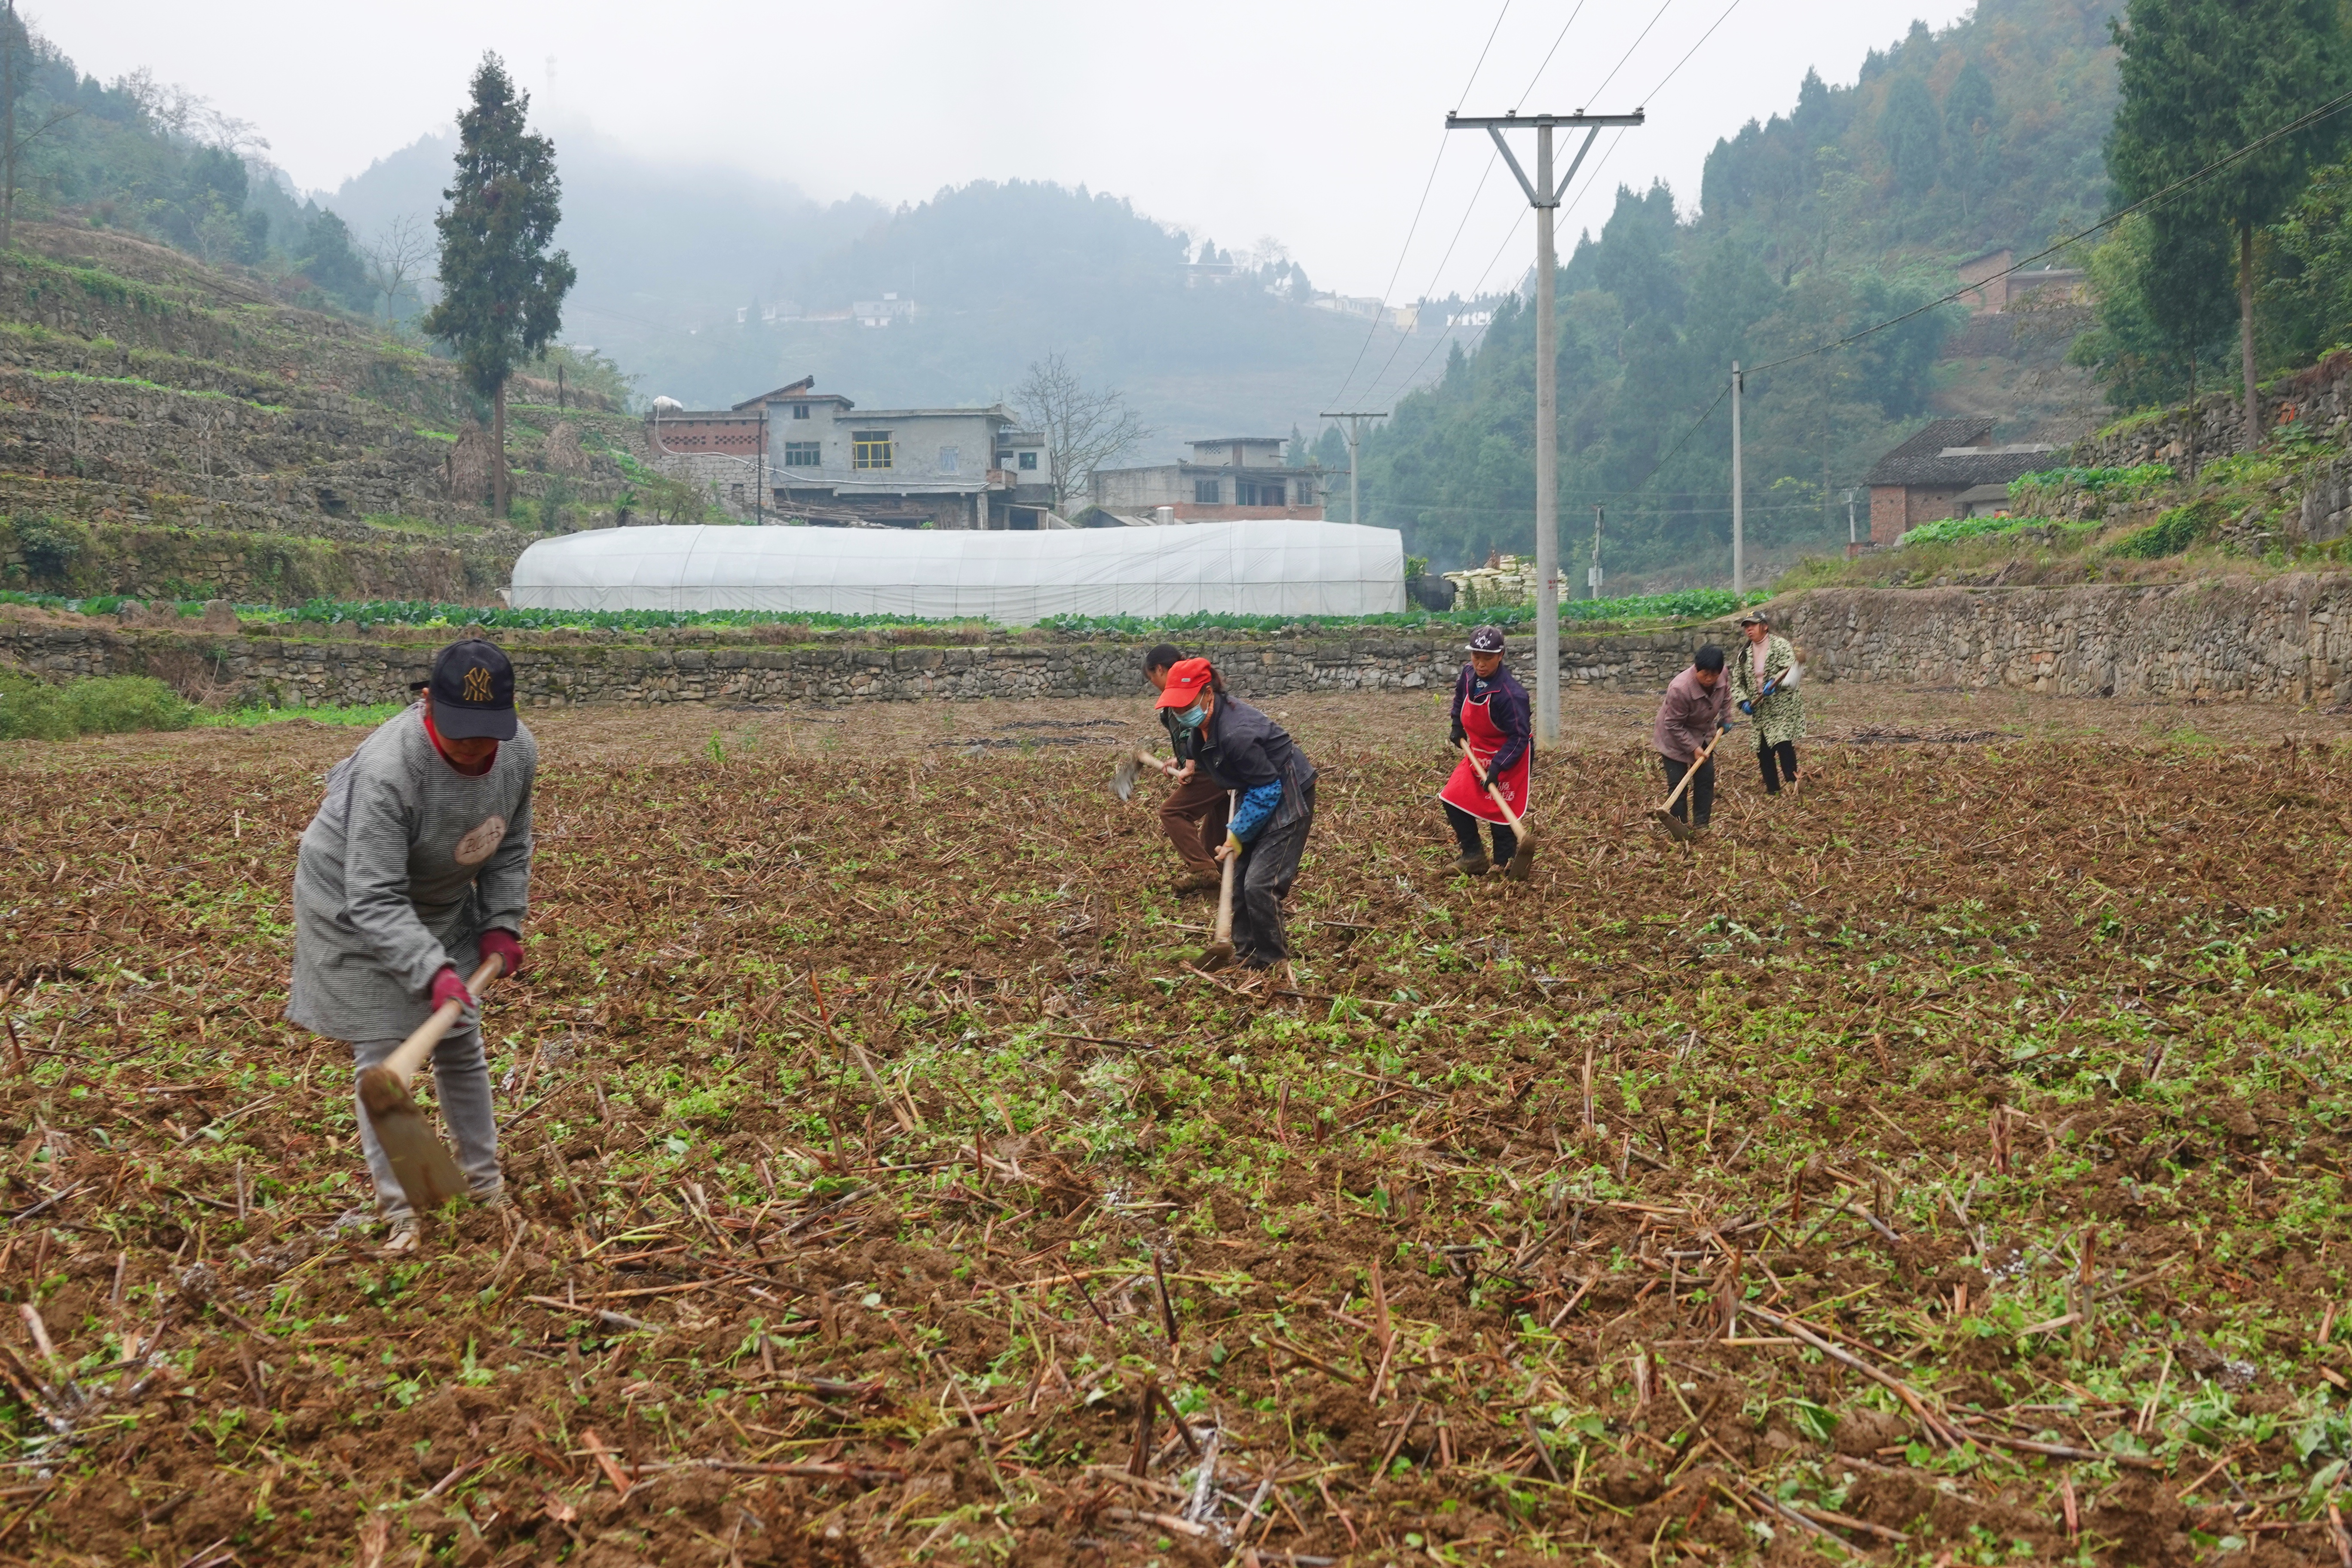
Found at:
<point>108,705</point>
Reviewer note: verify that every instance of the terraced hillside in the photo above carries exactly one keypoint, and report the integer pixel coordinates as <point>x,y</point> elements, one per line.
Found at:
<point>168,428</point>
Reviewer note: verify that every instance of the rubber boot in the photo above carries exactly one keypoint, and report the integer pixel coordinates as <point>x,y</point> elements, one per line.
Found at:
<point>1471,865</point>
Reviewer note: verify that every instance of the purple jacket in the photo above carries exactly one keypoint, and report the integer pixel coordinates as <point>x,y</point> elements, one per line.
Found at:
<point>1689,717</point>
<point>1506,706</point>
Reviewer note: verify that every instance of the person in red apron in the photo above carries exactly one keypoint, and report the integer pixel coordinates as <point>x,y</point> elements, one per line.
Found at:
<point>1492,714</point>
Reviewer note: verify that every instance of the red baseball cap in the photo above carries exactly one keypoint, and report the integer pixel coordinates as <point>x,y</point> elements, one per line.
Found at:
<point>1186,680</point>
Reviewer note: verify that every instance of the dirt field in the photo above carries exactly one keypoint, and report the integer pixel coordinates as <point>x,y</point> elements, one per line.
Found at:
<point>1948,1166</point>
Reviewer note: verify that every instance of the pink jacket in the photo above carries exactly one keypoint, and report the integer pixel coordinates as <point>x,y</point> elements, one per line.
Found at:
<point>1689,717</point>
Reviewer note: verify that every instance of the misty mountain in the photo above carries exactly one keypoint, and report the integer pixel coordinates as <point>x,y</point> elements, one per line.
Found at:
<point>712,286</point>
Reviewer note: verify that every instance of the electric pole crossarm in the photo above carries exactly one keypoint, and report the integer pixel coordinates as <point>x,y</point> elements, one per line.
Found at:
<point>1540,121</point>
<point>1543,193</point>
<point>1573,165</point>
<point>1504,147</point>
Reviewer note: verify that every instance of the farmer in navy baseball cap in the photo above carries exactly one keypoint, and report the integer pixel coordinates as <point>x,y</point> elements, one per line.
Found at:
<point>415,872</point>
<point>473,692</point>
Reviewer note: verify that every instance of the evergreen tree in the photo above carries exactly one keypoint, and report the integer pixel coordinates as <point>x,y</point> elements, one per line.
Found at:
<point>2201,80</point>
<point>329,261</point>
<point>1914,135</point>
<point>501,291</point>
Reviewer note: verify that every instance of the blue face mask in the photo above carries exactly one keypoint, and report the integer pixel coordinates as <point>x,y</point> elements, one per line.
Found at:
<point>1190,718</point>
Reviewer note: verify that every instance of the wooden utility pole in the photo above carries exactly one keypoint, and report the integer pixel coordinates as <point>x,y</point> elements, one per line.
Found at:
<point>1543,193</point>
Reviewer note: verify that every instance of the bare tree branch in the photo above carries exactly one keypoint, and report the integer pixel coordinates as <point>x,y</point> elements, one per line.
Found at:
<point>396,259</point>
<point>1084,427</point>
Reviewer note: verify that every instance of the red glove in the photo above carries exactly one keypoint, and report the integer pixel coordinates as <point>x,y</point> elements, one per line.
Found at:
<point>503,944</point>
<point>448,987</point>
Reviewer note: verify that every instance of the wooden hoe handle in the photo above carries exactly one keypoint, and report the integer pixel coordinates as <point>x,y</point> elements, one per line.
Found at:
<point>410,1053</point>
<point>1224,935</point>
<point>1692,772</point>
<point>1500,804</point>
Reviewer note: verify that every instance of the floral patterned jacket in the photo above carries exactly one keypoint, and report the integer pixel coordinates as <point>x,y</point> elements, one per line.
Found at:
<point>1781,716</point>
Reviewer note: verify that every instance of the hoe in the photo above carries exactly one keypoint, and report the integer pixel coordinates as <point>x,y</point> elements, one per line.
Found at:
<point>428,1176</point>
<point>1682,831</point>
<point>1523,858</point>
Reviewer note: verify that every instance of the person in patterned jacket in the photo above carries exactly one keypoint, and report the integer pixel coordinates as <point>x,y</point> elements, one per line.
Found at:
<point>1764,685</point>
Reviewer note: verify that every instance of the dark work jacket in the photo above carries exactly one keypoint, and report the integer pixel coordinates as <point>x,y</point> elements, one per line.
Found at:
<point>1506,706</point>
<point>1241,749</point>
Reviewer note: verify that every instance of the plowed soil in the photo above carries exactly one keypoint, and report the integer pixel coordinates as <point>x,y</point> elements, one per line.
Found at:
<point>1948,1164</point>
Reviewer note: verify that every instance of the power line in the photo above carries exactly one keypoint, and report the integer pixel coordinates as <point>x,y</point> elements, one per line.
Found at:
<point>1497,28</point>
<point>1589,181</point>
<point>1414,227</point>
<point>1628,55</point>
<point>1546,66</point>
<point>2302,122</point>
<point>1703,37</point>
<point>1696,425</point>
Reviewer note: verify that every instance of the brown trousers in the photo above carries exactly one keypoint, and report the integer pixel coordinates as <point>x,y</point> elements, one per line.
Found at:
<point>1193,817</point>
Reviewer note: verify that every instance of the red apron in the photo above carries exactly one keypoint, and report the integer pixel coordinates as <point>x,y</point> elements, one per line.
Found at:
<point>1463,790</point>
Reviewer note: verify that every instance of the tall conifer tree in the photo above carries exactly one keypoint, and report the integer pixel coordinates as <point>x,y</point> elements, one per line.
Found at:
<point>2201,80</point>
<point>501,291</point>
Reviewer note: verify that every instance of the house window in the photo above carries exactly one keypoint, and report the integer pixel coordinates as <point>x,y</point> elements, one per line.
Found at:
<point>1206,491</point>
<point>803,454</point>
<point>949,457</point>
<point>1029,461</point>
<point>870,449</point>
<point>1250,493</point>
<point>800,410</point>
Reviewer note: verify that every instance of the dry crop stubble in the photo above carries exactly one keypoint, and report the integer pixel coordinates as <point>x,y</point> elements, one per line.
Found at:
<point>873,1138</point>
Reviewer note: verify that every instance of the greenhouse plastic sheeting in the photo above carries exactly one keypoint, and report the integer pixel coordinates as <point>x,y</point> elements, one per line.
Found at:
<point>1261,568</point>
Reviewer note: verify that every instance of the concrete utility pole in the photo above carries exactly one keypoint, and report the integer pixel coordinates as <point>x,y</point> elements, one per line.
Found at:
<point>1738,495</point>
<point>1543,193</point>
<point>1355,444</point>
<point>1594,576</point>
<point>1852,538</point>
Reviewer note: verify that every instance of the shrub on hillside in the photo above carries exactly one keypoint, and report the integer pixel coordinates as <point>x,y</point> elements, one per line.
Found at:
<point>2174,530</point>
<point>108,705</point>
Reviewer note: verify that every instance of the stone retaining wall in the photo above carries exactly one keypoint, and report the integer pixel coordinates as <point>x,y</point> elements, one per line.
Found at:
<point>560,668</point>
<point>2278,638</point>
<point>2281,639</point>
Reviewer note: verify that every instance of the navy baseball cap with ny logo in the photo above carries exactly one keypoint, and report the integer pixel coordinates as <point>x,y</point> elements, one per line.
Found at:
<point>473,692</point>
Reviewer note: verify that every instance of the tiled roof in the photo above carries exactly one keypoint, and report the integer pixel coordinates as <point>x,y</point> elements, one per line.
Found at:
<point>1922,459</point>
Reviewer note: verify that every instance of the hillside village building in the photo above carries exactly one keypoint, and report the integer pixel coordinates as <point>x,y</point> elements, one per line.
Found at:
<point>1228,478</point>
<point>797,454</point>
<point>1951,469</point>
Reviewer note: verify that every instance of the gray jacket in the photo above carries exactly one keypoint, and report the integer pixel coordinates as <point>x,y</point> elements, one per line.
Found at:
<point>406,864</point>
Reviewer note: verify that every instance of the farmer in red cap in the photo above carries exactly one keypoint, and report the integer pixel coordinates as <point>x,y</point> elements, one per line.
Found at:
<point>1491,716</point>
<point>1246,751</point>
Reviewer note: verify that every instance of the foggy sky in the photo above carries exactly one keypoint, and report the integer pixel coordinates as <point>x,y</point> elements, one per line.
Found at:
<point>1314,125</point>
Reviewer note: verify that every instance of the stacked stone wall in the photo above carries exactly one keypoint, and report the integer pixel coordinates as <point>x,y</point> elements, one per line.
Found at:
<point>2286,638</point>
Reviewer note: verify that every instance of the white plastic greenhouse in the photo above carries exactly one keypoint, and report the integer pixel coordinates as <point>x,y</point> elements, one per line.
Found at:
<point>1258,568</point>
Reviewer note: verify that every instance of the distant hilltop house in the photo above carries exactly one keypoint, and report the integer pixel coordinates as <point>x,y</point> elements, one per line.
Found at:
<point>1993,288</point>
<point>1228,479</point>
<point>1951,469</point>
<point>797,454</point>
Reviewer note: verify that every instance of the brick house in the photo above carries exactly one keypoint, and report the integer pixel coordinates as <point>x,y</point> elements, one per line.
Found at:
<point>1228,478</point>
<point>821,459</point>
<point>1926,479</point>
